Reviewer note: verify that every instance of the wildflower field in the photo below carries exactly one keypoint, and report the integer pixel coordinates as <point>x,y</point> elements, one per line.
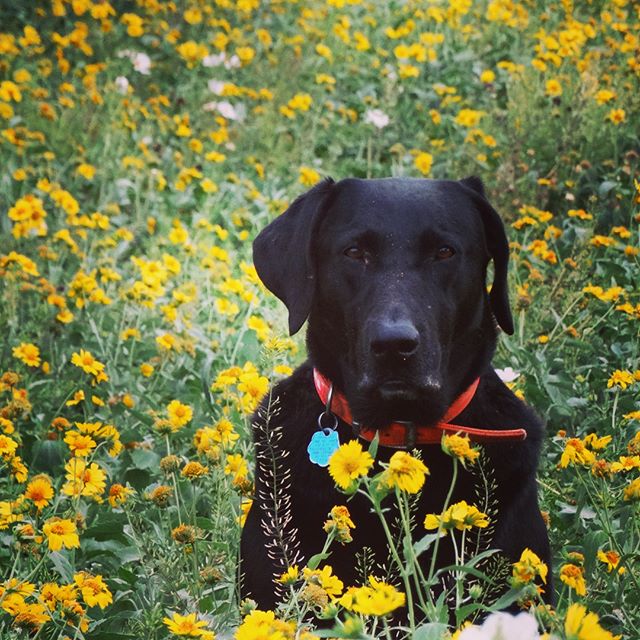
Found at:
<point>144,143</point>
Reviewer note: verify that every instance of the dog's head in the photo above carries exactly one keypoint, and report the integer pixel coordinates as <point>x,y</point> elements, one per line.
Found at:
<point>392,276</point>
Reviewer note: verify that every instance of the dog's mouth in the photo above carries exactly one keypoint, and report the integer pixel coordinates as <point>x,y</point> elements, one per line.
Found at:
<point>377,404</point>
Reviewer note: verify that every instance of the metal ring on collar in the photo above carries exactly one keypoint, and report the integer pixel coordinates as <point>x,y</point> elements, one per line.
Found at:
<point>322,426</point>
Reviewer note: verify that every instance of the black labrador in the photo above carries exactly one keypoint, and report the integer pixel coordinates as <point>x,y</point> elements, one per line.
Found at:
<point>391,274</point>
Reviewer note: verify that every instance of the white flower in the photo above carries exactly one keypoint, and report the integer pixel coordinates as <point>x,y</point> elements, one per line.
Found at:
<point>507,375</point>
<point>233,62</point>
<point>216,86</point>
<point>503,626</point>
<point>122,85</point>
<point>377,118</point>
<point>227,110</point>
<point>141,63</point>
<point>216,59</point>
<point>213,60</point>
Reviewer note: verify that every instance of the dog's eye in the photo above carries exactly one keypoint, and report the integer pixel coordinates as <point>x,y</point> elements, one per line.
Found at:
<point>444,253</point>
<point>357,253</point>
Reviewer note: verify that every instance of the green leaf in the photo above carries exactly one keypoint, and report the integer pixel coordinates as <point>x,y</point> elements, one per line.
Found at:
<point>464,612</point>
<point>373,447</point>
<point>314,561</point>
<point>62,566</point>
<point>424,543</point>
<point>430,631</point>
<point>145,459</point>
<point>48,455</point>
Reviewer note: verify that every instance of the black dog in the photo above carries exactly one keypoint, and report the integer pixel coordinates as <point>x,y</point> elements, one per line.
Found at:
<point>391,274</point>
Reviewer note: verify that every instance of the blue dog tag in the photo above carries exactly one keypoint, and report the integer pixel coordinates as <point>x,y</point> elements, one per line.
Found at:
<point>322,445</point>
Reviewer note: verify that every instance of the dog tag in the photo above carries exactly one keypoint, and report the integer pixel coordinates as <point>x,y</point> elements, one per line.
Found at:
<point>322,445</point>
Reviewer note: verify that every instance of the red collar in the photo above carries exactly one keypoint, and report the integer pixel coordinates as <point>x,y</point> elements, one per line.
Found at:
<point>404,435</point>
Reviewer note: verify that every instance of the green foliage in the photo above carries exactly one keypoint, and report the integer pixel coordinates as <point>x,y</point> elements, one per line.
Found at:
<point>144,144</point>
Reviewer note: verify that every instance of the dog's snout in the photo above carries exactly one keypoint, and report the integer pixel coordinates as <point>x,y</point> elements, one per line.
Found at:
<point>394,339</point>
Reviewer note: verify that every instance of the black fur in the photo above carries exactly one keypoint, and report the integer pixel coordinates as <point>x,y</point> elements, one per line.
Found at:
<point>391,274</point>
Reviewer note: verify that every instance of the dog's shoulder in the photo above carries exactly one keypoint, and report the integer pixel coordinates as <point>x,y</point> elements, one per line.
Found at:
<point>496,407</point>
<point>500,403</point>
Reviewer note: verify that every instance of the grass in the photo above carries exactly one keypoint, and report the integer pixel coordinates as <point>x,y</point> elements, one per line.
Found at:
<point>143,146</point>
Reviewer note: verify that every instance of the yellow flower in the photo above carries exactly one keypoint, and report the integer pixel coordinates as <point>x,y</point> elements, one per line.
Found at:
<point>260,625</point>
<point>178,234</point>
<point>130,333</point>
<point>610,558</point>
<point>581,625</point>
<point>620,379</point>
<point>405,472</point>
<point>257,324</point>
<point>192,52</point>
<point>6,425</point>
<point>377,599</point>
<point>134,24</point>
<point>423,162</point>
<point>324,578</point>
<point>468,117</point>
<point>77,398</point>
<point>187,625</point>
<point>167,342</point>
<point>339,524</point>
<point>528,568</point>
<point>253,386</point>
<point>324,51</point>
<point>487,76</point>
<point>84,480</point>
<point>8,447</point>
<point>459,447</point>
<point>61,533</point>
<point>238,467</point>
<point>94,590</point>
<point>194,470</point>
<point>308,176</point>
<point>604,95</point>
<point>575,452</point>
<point>632,491</point>
<point>80,445</point>
<point>39,491</point>
<point>348,463</point>
<point>301,101</point>
<point>87,363</point>
<point>617,116</point>
<point>290,576</point>
<point>179,414</point>
<point>118,494</point>
<point>459,516</point>
<point>553,88</point>
<point>26,615</point>
<point>626,463</point>
<point>573,576</point>
<point>193,16</point>
<point>146,369</point>
<point>87,171</point>
<point>28,353</point>
<point>245,507</point>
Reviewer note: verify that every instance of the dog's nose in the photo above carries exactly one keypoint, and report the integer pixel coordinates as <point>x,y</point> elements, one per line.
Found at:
<point>394,338</point>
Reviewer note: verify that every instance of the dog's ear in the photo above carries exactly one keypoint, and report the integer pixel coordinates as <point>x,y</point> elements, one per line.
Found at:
<point>498,247</point>
<point>282,253</point>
